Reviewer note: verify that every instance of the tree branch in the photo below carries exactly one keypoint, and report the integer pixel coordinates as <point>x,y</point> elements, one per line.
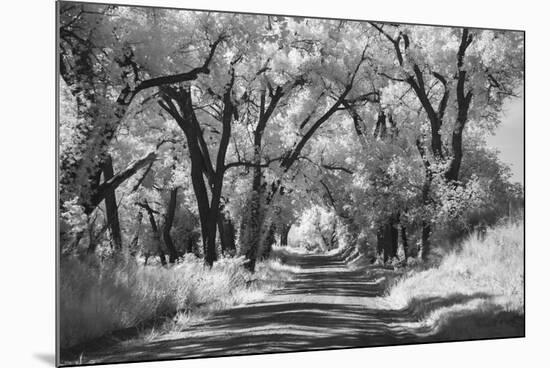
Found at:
<point>252,164</point>
<point>140,181</point>
<point>339,168</point>
<point>181,77</point>
<point>392,78</point>
<point>111,184</point>
<point>295,153</point>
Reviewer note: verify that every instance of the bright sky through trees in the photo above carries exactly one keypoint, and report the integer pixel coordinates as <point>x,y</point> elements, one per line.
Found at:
<point>509,138</point>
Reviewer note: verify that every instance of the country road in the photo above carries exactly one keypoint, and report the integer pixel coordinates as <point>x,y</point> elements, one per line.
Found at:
<point>327,305</point>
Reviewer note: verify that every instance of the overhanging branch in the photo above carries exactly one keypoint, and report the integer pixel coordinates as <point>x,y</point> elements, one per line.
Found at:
<point>113,183</point>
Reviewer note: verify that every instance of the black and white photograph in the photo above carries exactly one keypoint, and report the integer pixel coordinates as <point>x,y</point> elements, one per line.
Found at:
<point>233,183</point>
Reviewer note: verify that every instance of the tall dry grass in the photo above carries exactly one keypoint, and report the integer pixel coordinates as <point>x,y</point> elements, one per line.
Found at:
<point>483,277</point>
<point>99,297</point>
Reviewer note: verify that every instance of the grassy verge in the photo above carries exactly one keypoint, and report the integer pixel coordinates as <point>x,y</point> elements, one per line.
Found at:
<point>97,298</point>
<point>476,291</point>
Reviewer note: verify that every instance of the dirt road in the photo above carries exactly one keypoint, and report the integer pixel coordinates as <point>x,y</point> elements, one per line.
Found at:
<point>328,305</point>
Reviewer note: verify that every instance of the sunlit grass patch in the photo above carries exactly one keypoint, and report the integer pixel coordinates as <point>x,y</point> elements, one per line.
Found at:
<point>483,277</point>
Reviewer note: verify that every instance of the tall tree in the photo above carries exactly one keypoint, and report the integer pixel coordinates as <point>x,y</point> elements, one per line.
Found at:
<point>481,79</point>
<point>184,115</point>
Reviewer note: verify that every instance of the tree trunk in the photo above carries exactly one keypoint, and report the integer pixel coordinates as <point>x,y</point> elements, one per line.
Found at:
<point>157,242</point>
<point>454,166</point>
<point>156,233</point>
<point>387,240</point>
<point>173,254</point>
<point>201,195</point>
<point>333,235</point>
<point>426,225</point>
<point>92,243</point>
<point>425,244</point>
<point>392,240</point>
<point>463,99</point>
<point>200,160</point>
<point>284,235</point>
<point>252,240</point>
<point>135,239</point>
<point>191,244</point>
<point>380,243</point>
<point>210,254</point>
<point>197,169</point>
<point>227,233</point>
<point>255,221</point>
<point>268,242</point>
<point>108,186</point>
<point>380,128</point>
<point>221,232</point>
<point>404,241</point>
<point>217,186</point>
<point>111,205</point>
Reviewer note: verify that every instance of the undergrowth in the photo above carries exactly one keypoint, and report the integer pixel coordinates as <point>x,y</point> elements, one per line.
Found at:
<point>100,297</point>
<point>484,276</point>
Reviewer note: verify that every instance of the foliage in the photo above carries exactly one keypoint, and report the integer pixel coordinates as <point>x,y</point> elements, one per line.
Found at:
<point>73,221</point>
<point>317,228</point>
<point>316,64</point>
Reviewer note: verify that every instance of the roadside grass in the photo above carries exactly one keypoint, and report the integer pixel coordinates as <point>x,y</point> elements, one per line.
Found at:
<point>475,291</point>
<point>97,298</point>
